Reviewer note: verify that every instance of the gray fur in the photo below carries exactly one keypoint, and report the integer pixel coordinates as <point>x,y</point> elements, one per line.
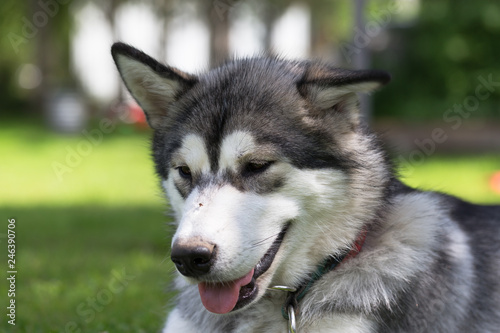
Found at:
<point>430,263</point>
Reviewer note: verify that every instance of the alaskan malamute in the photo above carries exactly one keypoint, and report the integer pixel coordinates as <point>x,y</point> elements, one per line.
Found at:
<point>288,214</point>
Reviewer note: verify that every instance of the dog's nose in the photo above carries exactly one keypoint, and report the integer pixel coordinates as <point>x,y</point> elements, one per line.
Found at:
<point>193,259</point>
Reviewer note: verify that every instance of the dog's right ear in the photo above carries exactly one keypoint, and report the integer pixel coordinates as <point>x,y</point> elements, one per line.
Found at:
<point>153,85</point>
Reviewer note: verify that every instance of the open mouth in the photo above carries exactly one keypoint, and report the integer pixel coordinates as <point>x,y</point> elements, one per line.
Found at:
<point>233,295</point>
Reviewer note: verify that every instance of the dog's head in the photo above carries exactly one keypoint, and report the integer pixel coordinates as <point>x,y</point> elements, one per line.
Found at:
<point>260,159</point>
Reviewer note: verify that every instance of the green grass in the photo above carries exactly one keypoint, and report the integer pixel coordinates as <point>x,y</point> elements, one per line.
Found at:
<point>467,177</point>
<point>118,170</point>
<point>101,268</point>
<point>92,245</point>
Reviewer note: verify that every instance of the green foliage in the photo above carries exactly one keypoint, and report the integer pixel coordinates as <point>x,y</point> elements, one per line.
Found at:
<point>437,61</point>
<point>35,32</point>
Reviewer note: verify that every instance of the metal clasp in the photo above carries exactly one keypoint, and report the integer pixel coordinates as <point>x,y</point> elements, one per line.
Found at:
<point>283,288</point>
<point>291,321</point>
<point>290,310</point>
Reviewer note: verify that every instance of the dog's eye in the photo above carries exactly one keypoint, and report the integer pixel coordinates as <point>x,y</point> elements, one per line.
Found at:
<point>257,167</point>
<point>184,171</point>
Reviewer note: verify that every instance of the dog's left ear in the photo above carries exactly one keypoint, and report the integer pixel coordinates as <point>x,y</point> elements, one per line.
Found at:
<point>330,88</point>
<point>153,85</point>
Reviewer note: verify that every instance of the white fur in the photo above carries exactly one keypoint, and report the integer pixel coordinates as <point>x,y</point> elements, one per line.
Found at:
<point>193,153</point>
<point>342,324</point>
<point>175,323</point>
<point>234,147</point>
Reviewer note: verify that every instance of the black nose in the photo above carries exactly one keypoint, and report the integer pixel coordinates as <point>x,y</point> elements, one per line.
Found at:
<point>193,258</point>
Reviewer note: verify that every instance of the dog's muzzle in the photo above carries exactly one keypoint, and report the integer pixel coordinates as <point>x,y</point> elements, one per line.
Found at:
<point>195,258</point>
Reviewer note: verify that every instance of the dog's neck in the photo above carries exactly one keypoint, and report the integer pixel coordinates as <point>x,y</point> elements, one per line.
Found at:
<point>295,295</point>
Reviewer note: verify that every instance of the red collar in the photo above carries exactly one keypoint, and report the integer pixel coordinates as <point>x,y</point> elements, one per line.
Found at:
<point>358,245</point>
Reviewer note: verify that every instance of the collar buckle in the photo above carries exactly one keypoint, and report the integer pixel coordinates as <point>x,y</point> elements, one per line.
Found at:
<point>288,309</point>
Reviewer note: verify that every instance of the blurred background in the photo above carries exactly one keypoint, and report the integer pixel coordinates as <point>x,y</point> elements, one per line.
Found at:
<point>92,235</point>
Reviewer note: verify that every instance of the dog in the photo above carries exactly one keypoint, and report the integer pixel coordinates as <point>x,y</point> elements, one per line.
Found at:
<point>289,216</point>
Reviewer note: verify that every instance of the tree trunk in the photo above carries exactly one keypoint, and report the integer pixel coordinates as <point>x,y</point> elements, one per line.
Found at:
<point>164,10</point>
<point>269,15</point>
<point>42,53</point>
<point>218,19</point>
<point>362,60</point>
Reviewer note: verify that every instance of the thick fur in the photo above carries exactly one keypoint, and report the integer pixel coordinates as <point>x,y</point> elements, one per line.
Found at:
<point>430,263</point>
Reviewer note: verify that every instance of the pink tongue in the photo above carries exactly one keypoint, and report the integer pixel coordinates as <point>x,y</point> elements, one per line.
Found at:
<point>222,297</point>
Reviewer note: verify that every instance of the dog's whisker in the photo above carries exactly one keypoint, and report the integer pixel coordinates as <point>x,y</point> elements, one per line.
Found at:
<point>263,241</point>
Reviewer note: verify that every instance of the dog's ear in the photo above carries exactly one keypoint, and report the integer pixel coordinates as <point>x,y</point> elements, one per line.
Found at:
<point>330,88</point>
<point>153,85</point>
